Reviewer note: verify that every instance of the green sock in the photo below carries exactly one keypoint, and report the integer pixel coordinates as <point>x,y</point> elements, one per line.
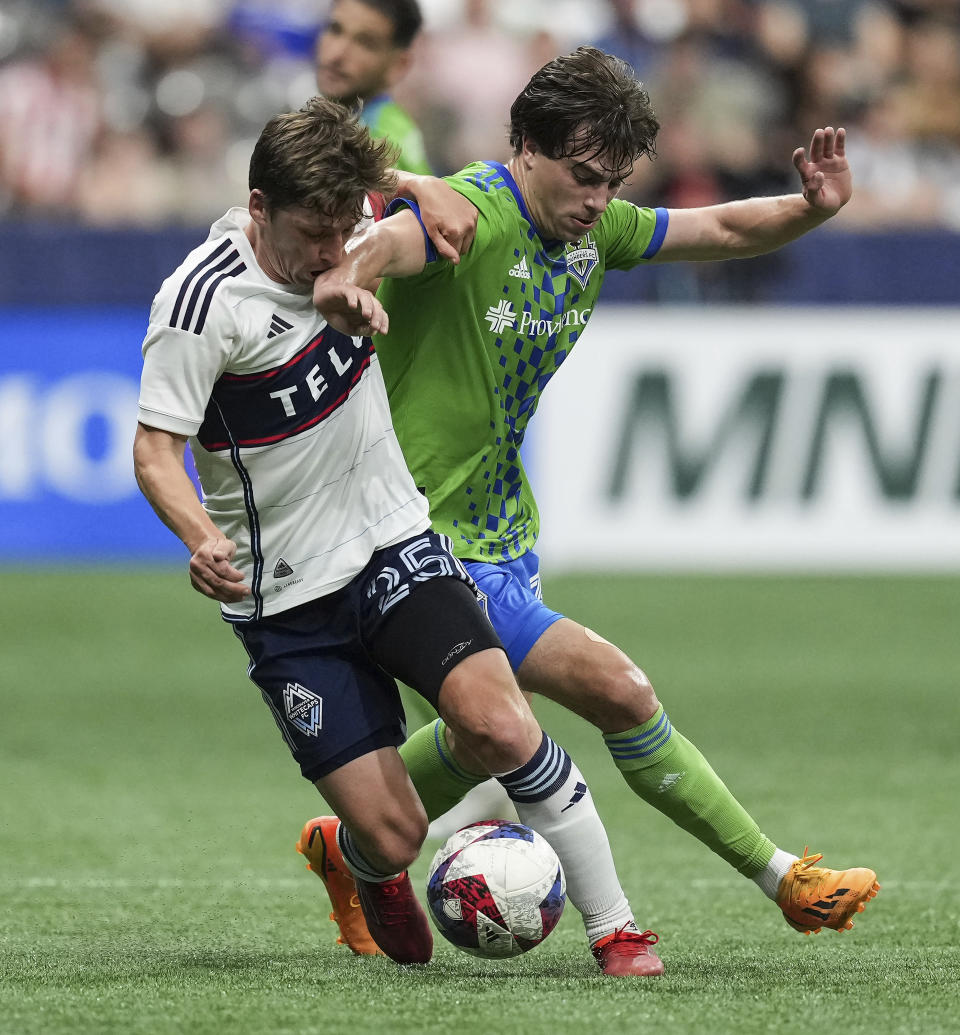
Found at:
<point>440,781</point>
<point>667,771</point>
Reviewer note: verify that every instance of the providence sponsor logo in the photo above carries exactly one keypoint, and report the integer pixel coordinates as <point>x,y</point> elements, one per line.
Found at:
<point>533,328</point>
<point>503,315</point>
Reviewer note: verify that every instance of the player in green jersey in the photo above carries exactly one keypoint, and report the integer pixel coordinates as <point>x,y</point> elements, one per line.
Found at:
<point>469,350</point>
<point>362,53</point>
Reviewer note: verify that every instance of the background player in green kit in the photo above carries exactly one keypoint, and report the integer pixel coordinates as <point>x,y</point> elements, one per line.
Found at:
<point>362,53</point>
<point>469,350</point>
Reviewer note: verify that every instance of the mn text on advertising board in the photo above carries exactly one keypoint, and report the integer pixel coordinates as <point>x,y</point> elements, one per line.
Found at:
<point>818,438</point>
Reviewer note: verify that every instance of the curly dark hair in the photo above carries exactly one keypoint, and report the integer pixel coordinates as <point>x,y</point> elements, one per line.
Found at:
<point>320,158</point>
<point>586,103</point>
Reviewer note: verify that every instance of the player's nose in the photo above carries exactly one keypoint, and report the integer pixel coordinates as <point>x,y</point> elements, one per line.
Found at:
<point>596,201</point>
<point>331,250</point>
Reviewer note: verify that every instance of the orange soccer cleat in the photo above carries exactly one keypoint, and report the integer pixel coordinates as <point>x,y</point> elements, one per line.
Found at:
<point>318,845</point>
<point>813,897</point>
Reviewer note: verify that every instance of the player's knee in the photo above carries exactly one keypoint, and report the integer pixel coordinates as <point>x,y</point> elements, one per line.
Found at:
<point>500,740</point>
<point>492,728</point>
<point>622,696</point>
<point>393,844</point>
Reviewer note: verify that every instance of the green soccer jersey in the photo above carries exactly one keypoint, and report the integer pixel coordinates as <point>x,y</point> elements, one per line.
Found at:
<point>471,347</point>
<point>386,120</point>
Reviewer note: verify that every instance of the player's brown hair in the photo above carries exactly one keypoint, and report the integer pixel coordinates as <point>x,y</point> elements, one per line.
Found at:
<point>586,103</point>
<point>320,158</point>
<point>404,16</point>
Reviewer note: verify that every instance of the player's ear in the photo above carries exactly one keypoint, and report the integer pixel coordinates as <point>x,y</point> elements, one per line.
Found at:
<point>258,207</point>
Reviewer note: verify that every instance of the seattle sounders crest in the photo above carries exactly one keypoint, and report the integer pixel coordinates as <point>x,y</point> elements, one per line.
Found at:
<point>582,259</point>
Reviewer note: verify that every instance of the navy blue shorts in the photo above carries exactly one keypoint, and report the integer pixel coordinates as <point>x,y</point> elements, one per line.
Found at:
<point>326,668</point>
<point>512,599</point>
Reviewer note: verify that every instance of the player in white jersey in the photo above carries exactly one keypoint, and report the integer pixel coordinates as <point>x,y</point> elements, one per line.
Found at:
<point>296,453</point>
<point>315,541</point>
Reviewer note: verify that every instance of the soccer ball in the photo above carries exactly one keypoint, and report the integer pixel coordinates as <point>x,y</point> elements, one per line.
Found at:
<point>496,889</point>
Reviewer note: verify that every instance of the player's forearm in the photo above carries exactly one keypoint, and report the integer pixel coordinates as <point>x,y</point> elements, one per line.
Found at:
<point>394,247</point>
<point>760,225</point>
<point>739,229</point>
<point>163,480</point>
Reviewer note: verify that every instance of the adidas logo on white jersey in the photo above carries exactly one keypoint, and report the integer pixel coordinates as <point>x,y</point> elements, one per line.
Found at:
<point>277,326</point>
<point>521,270</point>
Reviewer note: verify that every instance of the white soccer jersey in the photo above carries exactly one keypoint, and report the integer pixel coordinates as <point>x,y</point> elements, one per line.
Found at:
<point>288,422</point>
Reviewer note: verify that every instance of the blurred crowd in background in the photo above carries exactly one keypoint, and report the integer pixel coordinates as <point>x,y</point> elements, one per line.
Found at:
<point>144,112</point>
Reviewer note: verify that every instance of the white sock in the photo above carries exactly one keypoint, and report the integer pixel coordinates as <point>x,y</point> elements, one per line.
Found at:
<point>551,795</point>
<point>487,800</point>
<point>768,879</point>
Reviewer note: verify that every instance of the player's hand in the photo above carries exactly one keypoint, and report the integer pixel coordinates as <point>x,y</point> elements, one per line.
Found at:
<point>449,219</point>
<point>825,174</point>
<point>347,307</point>
<point>212,574</point>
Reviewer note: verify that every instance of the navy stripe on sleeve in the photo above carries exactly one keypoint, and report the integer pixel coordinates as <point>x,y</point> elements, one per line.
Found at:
<point>395,206</point>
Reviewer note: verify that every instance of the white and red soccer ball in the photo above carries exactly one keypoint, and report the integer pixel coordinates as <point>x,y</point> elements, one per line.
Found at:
<point>496,889</point>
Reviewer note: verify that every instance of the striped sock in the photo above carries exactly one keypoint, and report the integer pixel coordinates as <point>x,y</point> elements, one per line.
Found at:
<point>669,773</point>
<point>551,795</point>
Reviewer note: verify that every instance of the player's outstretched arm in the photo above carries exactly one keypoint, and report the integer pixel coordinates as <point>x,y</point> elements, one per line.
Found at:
<point>158,466</point>
<point>448,218</point>
<point>740,229</point>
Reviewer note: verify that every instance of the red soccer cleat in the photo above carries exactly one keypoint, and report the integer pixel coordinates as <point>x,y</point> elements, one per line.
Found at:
<point>628,954</point>
<point>396,919</point>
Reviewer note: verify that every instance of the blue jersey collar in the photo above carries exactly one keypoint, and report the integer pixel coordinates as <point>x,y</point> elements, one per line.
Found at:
<point>549,244</point>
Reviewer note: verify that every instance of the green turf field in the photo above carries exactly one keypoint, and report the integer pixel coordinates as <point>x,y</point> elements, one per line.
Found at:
<point>148,813</point>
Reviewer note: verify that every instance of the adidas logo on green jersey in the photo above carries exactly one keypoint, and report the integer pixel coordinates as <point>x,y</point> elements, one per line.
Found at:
<point>521,270</point>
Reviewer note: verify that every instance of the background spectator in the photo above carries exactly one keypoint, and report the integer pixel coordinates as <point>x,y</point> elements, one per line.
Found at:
<point>122,112</point>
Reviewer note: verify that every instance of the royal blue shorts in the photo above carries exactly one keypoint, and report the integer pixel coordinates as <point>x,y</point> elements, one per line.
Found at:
<point>511,596</point>
<point>326,668</point>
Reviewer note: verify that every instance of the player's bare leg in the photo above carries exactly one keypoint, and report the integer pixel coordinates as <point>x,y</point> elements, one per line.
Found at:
<point>383,826</point>
<point>588,675</point>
